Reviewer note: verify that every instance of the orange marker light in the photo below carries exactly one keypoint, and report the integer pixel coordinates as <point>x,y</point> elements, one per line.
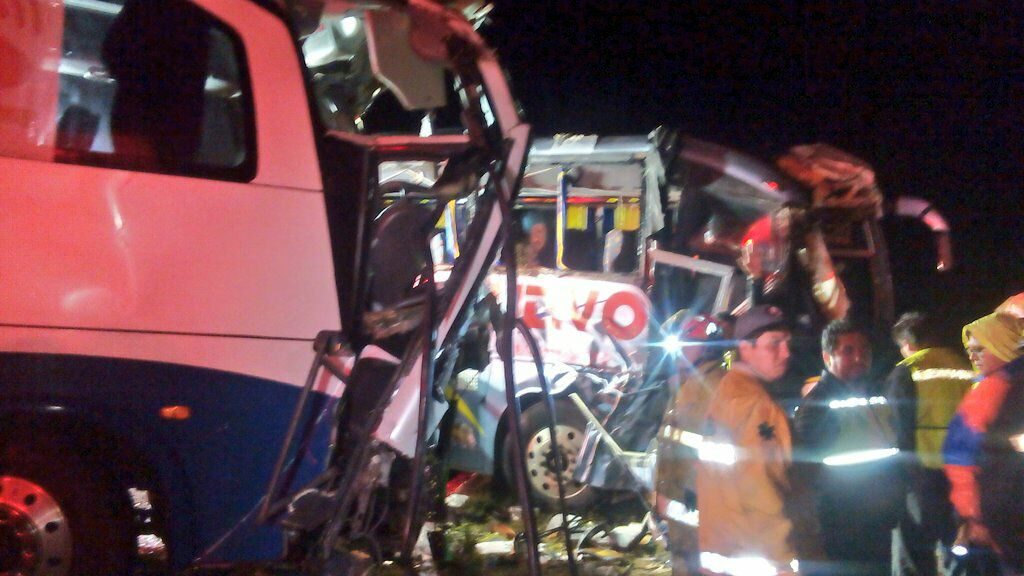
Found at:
<point>175,412</point>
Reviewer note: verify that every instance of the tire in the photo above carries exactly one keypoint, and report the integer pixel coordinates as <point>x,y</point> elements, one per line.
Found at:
<point>60,515</point>
<point>540,465</point>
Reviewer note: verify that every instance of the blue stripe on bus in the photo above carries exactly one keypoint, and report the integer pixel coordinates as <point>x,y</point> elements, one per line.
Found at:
<point>213,467</point>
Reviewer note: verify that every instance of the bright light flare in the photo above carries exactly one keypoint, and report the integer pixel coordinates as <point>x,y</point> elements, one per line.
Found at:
<point>859,457</point>
<point>672,344</point>
<point>349,26</point>
<point>737,566</point>
<point>1017,441</point>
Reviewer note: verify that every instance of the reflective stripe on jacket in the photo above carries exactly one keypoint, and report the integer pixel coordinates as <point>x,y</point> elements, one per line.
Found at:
<point>864,431</point>
<point>838,425</point>
<point>940,379</point>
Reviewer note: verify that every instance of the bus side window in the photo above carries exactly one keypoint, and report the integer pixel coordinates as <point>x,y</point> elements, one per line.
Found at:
<point>153,86</point>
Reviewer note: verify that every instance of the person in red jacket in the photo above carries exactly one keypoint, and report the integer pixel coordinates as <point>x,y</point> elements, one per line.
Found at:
<point>1001,474</point>
<point>993,343</point>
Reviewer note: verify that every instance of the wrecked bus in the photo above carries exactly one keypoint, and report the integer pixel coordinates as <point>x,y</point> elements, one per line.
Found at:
<point>621,233</point>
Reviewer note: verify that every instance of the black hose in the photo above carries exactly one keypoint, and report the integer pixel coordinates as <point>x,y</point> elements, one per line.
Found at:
<point>505,352</point>
<point>409,532</point>
<point>531,342</point>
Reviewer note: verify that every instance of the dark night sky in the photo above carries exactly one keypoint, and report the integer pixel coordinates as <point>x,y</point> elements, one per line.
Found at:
<point>932,94</point>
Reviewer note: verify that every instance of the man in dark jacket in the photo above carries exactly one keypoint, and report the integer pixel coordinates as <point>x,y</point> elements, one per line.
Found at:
<point>844,434</point>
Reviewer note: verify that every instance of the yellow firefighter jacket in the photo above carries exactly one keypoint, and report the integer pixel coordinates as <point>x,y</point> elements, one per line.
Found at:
<point>925,390</point>
<point>742,483</point>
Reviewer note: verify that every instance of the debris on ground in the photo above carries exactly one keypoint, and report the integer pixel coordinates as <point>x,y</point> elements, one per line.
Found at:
<point>483,534</point>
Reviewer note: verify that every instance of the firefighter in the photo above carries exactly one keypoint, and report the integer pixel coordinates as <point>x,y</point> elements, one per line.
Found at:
<point>701,366</point>
<point>924,390</point>
<point>744,455</point>
<point>845,434</point>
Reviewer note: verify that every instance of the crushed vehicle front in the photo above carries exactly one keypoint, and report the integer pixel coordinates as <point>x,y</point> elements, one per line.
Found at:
<point>420,127</point>
<point>618,234</point>
<point>600,271</point>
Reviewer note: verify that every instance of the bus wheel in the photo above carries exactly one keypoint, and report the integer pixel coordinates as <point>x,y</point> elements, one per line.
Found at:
<point>540,456</point>
<point>58,517</point>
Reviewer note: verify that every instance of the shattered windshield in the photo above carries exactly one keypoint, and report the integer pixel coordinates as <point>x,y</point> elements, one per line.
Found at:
<point>350,94</point>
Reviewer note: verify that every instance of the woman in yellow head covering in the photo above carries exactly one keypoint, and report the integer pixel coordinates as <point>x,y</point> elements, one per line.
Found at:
<point>993,343</point>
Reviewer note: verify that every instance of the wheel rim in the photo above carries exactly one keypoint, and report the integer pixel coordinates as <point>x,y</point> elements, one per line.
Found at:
<point>34,534</point>
<point>540,461</point>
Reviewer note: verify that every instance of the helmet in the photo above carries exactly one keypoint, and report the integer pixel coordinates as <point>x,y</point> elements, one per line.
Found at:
<point>698,328</point>
<point>693,338</point>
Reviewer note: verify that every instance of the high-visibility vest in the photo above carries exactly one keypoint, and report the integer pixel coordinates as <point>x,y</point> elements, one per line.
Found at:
<point>865,431</point>
<point>861,472</point>
<point>941,379</point>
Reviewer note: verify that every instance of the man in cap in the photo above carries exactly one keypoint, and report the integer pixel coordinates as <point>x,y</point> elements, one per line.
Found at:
<point>744,457</point>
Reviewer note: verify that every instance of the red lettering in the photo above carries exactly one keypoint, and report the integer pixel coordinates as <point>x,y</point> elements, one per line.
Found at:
<point>635,304</point>
<point>531,316</point>
<point>580,320</point>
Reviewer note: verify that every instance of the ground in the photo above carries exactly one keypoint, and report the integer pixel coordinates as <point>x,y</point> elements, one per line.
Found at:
<point>483,535</point>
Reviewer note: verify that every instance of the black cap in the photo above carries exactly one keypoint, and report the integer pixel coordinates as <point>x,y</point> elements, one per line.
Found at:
<point>759,319</point>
